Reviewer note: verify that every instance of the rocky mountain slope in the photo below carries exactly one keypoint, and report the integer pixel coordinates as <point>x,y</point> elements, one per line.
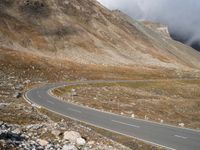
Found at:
<point>88,33</point>
<point>45,41</point>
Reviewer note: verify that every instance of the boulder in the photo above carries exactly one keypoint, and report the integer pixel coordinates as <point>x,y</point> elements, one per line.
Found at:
<point>42,142</point>
<point>69,147</point>
<point>80,142</point>
<point>71,136</point>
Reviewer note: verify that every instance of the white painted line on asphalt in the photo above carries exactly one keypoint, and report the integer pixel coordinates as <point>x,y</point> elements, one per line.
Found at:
<point>153,143</point>
<point>86,107</point>
<point>179,136</point>
<point>50,102</point>
<point>29,101</point>
<point>74,110</point>
<point>126,124</point>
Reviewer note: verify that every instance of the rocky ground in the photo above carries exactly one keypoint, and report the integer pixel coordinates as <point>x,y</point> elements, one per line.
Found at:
<point>45,41</point>
<point>23,126</point>
<point>167,101</point>
<point>50,136</point>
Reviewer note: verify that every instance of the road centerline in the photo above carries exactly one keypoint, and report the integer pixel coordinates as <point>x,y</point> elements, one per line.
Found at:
<point>182,137</point>
<point>74,110</point>
<point>119,122</point>
<point>155,133</point>
<point>50,102</point>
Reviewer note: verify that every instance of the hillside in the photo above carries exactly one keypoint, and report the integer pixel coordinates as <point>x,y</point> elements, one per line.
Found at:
<point>88,33</point>
<point>45,41</point>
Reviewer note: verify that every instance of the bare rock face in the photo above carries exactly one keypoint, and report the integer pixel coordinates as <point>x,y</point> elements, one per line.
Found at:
<point>162,29</point>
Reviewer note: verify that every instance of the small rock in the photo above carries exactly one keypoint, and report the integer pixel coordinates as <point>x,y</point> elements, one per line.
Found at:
<point>17,95</point>
<point>1,123</point>
<point>80,142</point>
<point>181,124</point>
<point>71,136</point>
<point>2,105</point>
<point>27,82</point>
<point>35,127</point>
<point>19,87</point>
<point>69,147</point>
<point>42,142</point>
<point>73,90</point>
<point>91,143</point>
<point>133,115</point>
<point>56,132</point>
<point>17,131</point>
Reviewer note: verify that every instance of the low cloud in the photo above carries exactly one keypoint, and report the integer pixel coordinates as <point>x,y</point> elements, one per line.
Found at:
<point>181,16</point>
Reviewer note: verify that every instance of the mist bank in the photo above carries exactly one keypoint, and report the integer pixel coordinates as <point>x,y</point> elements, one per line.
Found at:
<point>181,16</point>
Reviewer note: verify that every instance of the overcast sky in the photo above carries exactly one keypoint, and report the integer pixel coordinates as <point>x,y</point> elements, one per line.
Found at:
<point>182,16</point>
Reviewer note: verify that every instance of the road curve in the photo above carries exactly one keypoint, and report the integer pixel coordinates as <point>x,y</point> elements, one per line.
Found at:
<point>169,137</point>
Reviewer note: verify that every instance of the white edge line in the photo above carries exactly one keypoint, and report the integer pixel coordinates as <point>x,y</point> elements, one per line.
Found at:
<point>132,125</point>
<point>162,124</point>
<point>50,92</point>
<point>29,101</point>
<point>152,143</point>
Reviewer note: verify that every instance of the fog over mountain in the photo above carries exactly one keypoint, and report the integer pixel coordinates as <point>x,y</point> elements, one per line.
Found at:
<point>181,16</point>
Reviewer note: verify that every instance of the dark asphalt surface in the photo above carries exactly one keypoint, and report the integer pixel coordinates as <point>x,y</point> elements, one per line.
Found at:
<point>166,136</point>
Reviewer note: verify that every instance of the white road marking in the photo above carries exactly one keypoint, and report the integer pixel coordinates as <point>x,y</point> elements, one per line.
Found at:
<point>74,110</point>
<point>50,102</point>
<point>179,136</point>
<point>126,124</point>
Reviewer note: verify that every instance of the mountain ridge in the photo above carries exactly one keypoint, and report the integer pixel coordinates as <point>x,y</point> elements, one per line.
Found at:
<point>88,33</point>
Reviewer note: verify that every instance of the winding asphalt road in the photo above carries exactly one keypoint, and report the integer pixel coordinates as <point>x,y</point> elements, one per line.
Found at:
<point>169,137</point>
